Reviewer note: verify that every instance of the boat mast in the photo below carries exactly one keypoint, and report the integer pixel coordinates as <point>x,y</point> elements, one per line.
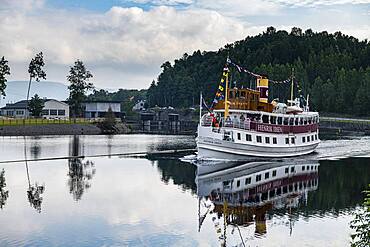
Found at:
<point>200,109</point>
<point>227,95</point>
<point>292,88</point>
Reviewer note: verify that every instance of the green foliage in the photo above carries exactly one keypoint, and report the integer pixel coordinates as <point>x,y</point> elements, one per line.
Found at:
<point>78,78</point>
<point>361,224</point>
<point>109,120</point>
<point>35,67</point>
<point>36,105</point>
<point>4,70</point>
<point>333,68</point>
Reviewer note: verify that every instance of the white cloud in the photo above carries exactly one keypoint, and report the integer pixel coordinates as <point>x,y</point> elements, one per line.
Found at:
<point>124,47</point>
<point>122,39</point>
<point>313,3</point>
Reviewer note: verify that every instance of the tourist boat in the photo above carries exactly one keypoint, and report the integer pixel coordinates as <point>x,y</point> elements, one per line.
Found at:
<point>241,123</point>
<point>242,195</point>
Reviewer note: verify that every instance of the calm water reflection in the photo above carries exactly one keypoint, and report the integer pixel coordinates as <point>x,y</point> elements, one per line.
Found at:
<point>162,201</point>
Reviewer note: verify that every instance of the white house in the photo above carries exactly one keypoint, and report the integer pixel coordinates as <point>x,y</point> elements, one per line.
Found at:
<point>55,109</point>
<point>52,109</point>
<point>99,109</point>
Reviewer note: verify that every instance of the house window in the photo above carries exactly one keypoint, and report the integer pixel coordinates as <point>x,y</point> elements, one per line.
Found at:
<point>45,112</point>
<point>248,180</point>
<point>267,139</point>
<point>303,139</point>
<point>293,140</point>
<point>19,112</point>
<point>259,139</point>
<point>274,140</point>
<point>258,178</point>
<point>274,173</point>
<point>53,112</point>
<point>248,138</point>
<point>61,112</point>
<point>287,140</point>
<point>9,113</point>
<point>267,175</point>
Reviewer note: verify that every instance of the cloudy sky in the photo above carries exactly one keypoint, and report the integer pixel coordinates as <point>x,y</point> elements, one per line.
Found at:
<point>124,42</point>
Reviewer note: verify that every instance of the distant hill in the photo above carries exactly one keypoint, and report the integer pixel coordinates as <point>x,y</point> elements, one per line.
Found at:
<point>17,90</point>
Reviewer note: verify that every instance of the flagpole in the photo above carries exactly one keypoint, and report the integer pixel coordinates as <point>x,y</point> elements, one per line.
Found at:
<point>200,109</point>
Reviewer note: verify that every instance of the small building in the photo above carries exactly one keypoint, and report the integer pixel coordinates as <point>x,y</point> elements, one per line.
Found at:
<point>139,106</point>
<point>99,109</point>
<point>52,109</point>
<point>55,109</point>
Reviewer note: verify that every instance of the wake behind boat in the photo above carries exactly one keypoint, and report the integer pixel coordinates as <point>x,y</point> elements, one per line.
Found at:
<point>241,123</point>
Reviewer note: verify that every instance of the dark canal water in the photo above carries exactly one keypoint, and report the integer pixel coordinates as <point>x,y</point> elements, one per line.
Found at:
<point>165,200</point>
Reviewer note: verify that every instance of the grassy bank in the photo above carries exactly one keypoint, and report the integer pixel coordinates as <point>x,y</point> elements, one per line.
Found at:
<point>40,121</point>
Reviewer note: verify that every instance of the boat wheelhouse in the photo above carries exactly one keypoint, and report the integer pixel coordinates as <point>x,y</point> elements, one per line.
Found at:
<point>242,124</point>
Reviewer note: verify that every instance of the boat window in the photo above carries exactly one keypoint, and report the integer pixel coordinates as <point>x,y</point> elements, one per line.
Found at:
<point>274,140</point>
<point>295,187</point>
<point>242,94</point>
<point>301,121</point>
<point>286,170</point>
<point>300,185</point>
<point>316,137</point>
<point>238,183</point>
<point>308,138</point>
<point>274,173</point>
<point>307,168</point>
<point>312,137</point>
<point>305,121</point>
<point>259,139</point>
<point>287,140</point>
<point>290,187</point>
<point>309,120</point>
<point>265,119</point>
<point>291,121</point>
<point>303,168</point>
<point>239,136</point>
<point>292,169</point>
<point>278,191</point>
<point>248,180</point>
<point>280,120</point>
<point>272,193</point>
<point>273,120</point>
<point>264,196</point>
<point>258,177</point>
<point>267,175</point>
<point>303,139</point>
<point>293,140</point>
<point>267,139</point>
<point>248,137</point>
<point>296,121</point>
<point>285,189</point>
<point>285,121</point>
<point>311,168</point>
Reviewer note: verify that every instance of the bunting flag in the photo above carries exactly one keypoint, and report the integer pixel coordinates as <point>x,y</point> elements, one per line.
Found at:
<point>221,87</point>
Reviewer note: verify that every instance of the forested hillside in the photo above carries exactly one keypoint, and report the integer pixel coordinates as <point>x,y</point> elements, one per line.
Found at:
<point>333,68</point>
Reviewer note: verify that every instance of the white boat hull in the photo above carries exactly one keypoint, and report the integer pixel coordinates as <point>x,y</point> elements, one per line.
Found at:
<point>211,145</point>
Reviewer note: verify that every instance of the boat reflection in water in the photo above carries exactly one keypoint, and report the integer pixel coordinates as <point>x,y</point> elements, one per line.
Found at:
<point>240,195</point>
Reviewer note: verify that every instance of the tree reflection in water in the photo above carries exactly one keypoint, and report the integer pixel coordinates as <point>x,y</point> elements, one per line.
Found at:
<point>3,193</point>
<point>35,191</point>
<point>80,172</point>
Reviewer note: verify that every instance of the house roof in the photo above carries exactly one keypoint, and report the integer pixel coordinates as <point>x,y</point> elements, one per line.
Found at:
<point>22,104</point>
<point>102,101</point>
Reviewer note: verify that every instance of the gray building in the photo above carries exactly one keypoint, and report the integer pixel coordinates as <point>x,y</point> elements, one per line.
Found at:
<point>99,109</point>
